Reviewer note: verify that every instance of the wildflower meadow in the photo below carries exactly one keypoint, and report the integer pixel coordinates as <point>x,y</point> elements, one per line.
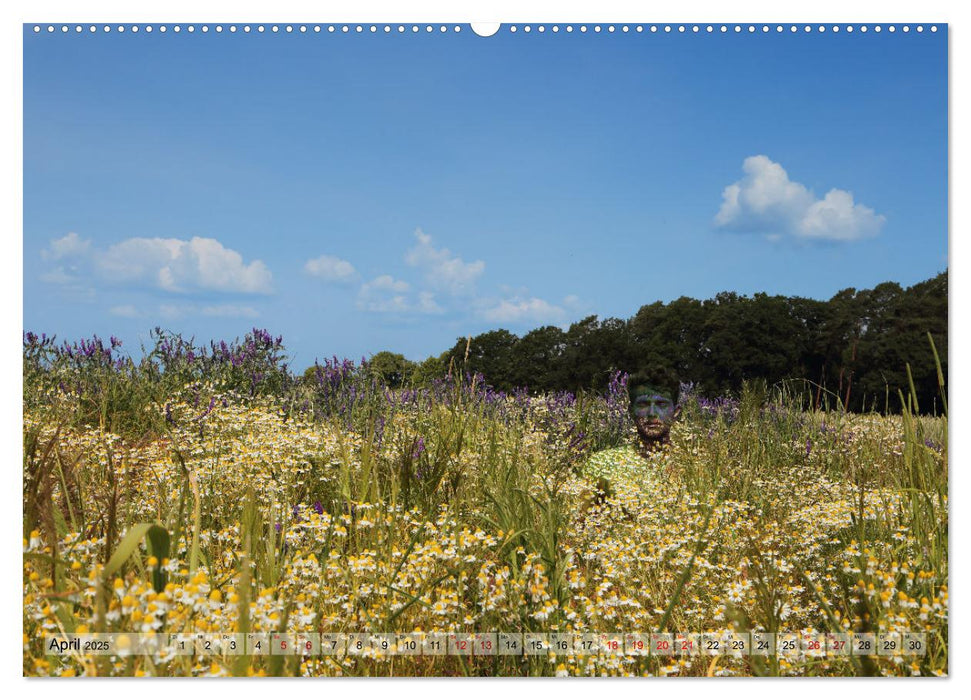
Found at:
<point>183,489</point>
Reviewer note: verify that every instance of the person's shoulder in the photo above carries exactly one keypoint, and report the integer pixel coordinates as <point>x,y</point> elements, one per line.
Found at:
<point>606,462</point>
<point>622,452</point>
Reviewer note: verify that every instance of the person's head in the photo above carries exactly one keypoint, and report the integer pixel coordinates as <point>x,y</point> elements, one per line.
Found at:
<point>654,408</point>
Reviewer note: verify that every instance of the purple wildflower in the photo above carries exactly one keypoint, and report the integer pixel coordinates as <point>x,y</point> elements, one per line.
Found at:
<point>418,449</point>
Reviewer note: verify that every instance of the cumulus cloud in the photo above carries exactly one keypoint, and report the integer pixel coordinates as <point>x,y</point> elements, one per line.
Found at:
<point>166,264</point>
<point>386,294</point>
<point>447,284</point>
<point>385,283</point>
<point>427,304</point>
<point>835,216</point>
<point>443,271</point>
<point>71,245</point>
<point>766,201</point>
<point>70,253</point>
<point>175,265</point>
<point>523,310</point>
<point>330,269</point>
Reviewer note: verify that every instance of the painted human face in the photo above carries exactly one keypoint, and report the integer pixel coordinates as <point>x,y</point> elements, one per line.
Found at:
<point>653,412</point>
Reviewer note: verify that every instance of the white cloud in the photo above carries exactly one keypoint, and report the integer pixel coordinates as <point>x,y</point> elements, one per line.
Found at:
<point>386,294</point>
<point>331,269</point>
<point>383,294</point>
<point>522,310</point>
<point>141,260</point>
<point>447,284</point>
<point>397,303</point>
<point>167,264</point>
<point>70,252</point>
<point>385,283</point>
<point>442,270</point>
<point>69,246</point>
<point>836,217</point>
<point>427,304</point>
<point>175,265</point>
<point>766,201</point>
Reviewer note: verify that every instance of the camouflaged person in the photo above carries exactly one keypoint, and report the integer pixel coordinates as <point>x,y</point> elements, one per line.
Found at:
<point>654,408</point>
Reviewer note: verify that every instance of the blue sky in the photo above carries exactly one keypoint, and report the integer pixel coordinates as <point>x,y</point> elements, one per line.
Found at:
<point>357,193</point>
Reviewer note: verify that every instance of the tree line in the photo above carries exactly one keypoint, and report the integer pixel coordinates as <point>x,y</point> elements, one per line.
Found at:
<point>852,350</point>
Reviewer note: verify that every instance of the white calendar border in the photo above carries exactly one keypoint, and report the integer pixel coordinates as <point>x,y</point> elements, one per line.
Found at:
<point>444,10</point>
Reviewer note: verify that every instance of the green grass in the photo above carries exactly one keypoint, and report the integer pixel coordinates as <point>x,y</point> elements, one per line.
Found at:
<point>462,512</point>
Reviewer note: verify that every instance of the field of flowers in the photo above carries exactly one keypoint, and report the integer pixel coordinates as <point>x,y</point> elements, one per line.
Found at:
<point>210,490</point>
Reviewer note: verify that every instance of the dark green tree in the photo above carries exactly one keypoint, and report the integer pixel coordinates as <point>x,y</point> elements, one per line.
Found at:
<point>429,369</point>
<point>538,359</point>
<point>490,354</point>
<point>393,369</point>
<point>852,350</point>
<point>594,351</point>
